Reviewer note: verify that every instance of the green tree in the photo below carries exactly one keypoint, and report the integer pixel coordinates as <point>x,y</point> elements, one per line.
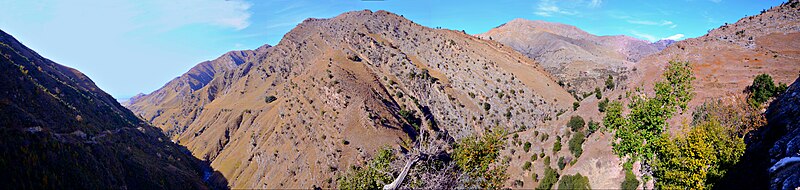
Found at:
<point>601,106</point>
<point>648,115</point>
<point>576,123</point>
<point>576,144</point>
<point>575,106</point>
<point>697,159</point>
<point>630,183</point>
<point>557,144</point>
<point>526,146</point>
<point>576,182</point>
<point>550,178</point>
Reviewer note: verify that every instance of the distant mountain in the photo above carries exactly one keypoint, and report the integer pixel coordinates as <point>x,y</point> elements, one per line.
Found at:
<point>60,131</point>
<point>581,61</point>
<point>334,90</point>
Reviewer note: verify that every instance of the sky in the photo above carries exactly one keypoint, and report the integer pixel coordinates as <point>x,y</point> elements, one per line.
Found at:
<point>136,46</point>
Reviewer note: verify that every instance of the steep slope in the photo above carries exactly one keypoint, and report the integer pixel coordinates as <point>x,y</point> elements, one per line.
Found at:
<point>727,59</point>
<point>185,94</point>
<point>60,131</point>
<point>580,60</point>
<point>334,90</point>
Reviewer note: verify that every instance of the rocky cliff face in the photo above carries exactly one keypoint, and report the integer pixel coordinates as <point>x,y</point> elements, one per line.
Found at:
<point>334,90</point>
<point>580,61</point>
<point>58,130</point>
<point>783,116</point>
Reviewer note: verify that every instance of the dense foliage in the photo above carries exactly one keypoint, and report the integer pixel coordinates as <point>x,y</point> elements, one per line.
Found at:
<point>557,144</point>
<point>764,88</point>
<point>648,115</point>
<point>630,182</point>
<point>576,144</point>
<point>576,182</point>
<point>576,123</point>
<point>372,176</point>
<point>550,178</point>
<point>479,158</point>
<point>697,159</point>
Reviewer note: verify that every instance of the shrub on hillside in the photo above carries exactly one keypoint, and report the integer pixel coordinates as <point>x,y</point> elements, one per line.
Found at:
<point>527,146</point>
<point>597,93</point>
<point>557,144</point>
<point>372,176</point>
<point>764,88</point>
<point>601,106</point>
<point>630,183</point>
<point>575,106</point>
<point>576,144</point>
<point>479,157</point>
<point>576,123</point>
<point>549,179</point>
<point>575,182</point>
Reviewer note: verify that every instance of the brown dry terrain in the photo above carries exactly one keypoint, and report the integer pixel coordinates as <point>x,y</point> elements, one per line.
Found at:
<point>344,87</point>
<point>581,61</point>
<point>727,59</point>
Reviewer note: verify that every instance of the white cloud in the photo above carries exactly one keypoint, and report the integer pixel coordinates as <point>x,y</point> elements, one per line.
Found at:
<point>230,13</point>
<point>595,3</point>
<point>674,37</point>
<point>647,37</point>
<point>548,8</point>
<point>667,23</point>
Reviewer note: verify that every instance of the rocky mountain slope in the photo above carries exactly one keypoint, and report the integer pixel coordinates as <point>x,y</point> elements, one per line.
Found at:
<point>334,90</point>
<point>727,59</point>
<point>581,61</point>
<point>60,131</point>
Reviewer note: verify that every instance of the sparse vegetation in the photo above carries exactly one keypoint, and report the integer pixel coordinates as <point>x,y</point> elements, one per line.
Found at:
<point>597,93</point>
<point>478,156</point>
<point>575,182</point>
<point>575,106</point>
<point>526,166</point>
<point>593,127</point>
<point>610,82</point>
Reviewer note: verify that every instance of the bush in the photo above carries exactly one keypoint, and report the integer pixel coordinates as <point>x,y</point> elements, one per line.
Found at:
<point>526,166</point>
<point>487,106</point>
<point>630,183</point>
<point>527,146</point>
<point>597,93</point>
<point>610,82</point>
<point>557,145</point>
<point>546,161</point>
<point>561,163</point>
<point>479,158</point>
<point>601,106</point>
<point>593,126</point>
<point>575,106</point>
<point>576,123</point>
<point>576,182</point>
<point>576,144</point>
<point>270,99</point>
<point>376,173</point>
<point>550,178</point>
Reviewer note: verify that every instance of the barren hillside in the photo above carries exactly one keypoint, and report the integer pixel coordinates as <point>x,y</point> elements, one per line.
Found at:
<point>334,90</point>
<point>581,61</point>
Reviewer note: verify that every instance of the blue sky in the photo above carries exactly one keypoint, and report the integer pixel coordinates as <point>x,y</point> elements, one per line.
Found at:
<point>134,46</point>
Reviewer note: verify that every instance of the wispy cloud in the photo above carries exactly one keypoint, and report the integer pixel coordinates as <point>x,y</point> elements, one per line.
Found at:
<point>548,8</point>
<point>647,37</point>
<point>230,13</point>
<point>666,23</point>
<point>674,37</point>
